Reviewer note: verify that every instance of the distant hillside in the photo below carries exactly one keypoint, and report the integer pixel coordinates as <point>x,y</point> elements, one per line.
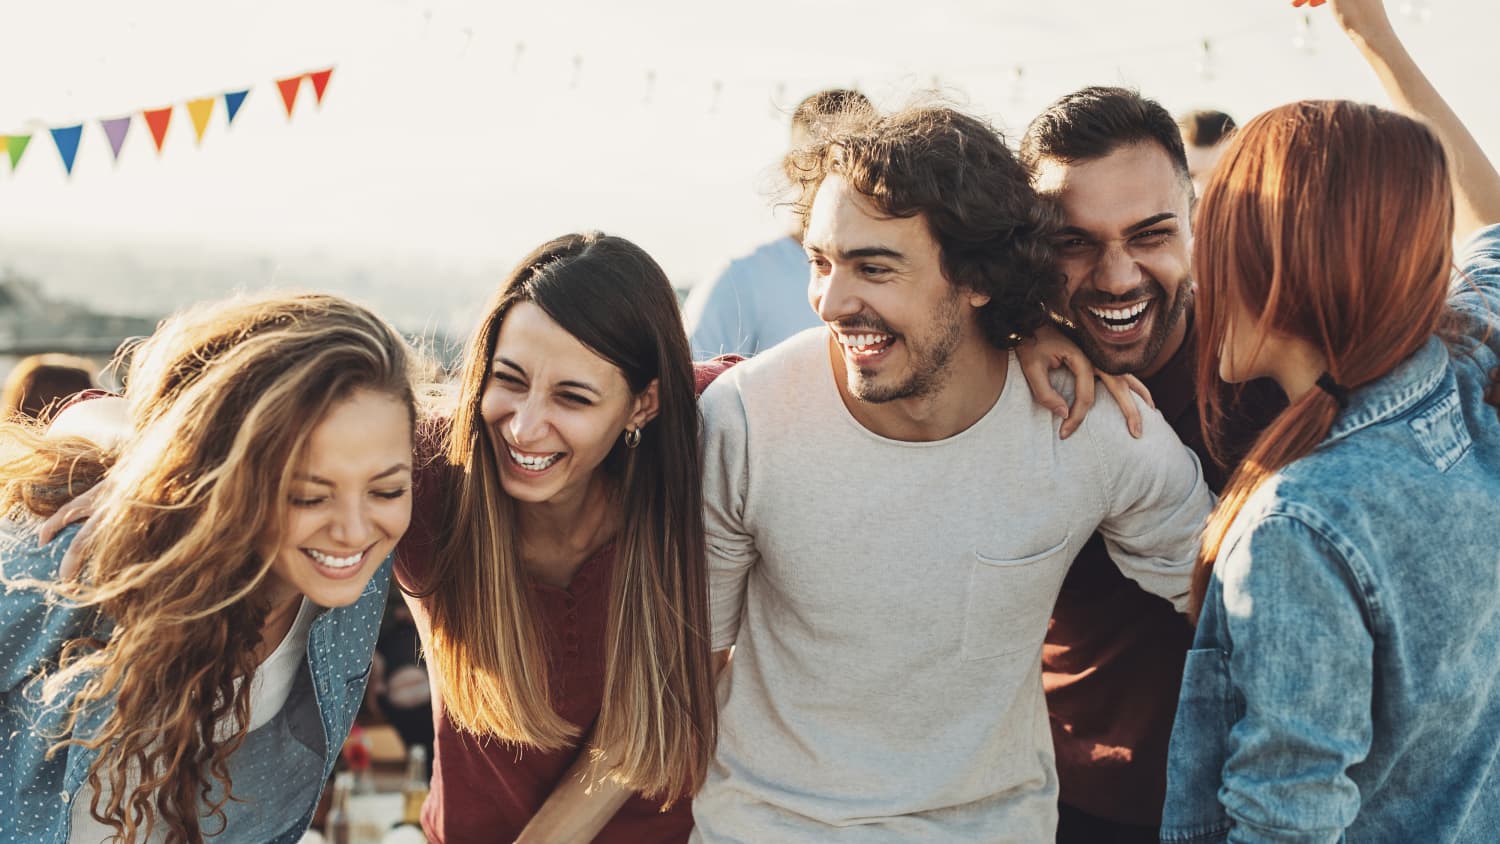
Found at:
<point>32,322</point>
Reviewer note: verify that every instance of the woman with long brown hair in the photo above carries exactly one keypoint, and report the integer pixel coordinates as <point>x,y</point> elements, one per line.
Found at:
<point>556,562</point>
<point>1345,678</point>
<point>198,677</point>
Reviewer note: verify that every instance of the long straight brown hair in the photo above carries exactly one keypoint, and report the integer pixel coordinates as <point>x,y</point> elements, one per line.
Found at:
<point>658,716</point>
<point>1333,220</point>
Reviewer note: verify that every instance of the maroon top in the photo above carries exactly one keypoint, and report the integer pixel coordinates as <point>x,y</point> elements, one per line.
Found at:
<point>484,789</point>
<point>1112,662</point>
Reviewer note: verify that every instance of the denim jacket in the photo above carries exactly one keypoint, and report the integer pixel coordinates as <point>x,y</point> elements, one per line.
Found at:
<point>1345,679</point>
<point>278,772</point>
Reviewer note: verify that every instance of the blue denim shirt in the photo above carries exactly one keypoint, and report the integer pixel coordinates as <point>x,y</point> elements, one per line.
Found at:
<point>1345,679</point>
<point>280,769</point>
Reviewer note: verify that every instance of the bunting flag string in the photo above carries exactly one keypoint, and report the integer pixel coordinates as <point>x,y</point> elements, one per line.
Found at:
<point>67,138</point>
<point>200,112</point>
<point>15,145</point>
<point>232,102</point>
<point>115,129</point>
<point>158,119</point>
<point>289,88</point>
<point>319,80</point>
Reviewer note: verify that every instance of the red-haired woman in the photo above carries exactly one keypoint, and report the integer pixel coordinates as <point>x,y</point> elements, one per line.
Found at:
<point>1345,680</point>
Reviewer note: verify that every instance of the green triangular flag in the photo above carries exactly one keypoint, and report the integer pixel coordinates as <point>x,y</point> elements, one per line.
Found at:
<point>16,145</point>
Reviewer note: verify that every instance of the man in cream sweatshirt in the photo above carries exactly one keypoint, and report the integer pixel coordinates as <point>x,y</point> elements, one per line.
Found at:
<point>890,515</point>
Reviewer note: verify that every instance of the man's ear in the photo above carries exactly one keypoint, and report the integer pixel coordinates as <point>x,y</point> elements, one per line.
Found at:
<point>647,404</point>
<point>978,300</point>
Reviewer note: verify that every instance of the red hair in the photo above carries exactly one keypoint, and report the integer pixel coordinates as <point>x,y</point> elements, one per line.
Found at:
<point>1333,221</point>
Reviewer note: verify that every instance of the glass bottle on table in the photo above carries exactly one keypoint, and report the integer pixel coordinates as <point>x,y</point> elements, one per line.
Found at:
<point>338,827</point>
<point>414,786</point>
<point>408,830</point>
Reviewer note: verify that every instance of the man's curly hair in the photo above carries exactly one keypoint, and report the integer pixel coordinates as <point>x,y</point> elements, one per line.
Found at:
<point>994,233</point>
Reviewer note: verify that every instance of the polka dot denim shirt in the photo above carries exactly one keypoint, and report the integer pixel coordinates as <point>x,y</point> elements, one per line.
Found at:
<point>278,772</point>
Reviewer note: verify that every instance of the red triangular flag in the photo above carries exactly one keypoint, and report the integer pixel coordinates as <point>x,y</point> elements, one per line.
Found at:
<point>320,82</point>
<point>289,89</point>
<point>158,119</point>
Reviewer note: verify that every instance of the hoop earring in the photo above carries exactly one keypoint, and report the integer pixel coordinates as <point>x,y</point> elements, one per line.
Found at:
<point>632,437</point>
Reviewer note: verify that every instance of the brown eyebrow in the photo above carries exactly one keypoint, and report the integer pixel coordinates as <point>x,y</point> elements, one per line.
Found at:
<point>1132,229</point>
<point>864,252</point>
<point>394,470</point>
<point>580,385</point>
<point>1151,221</point>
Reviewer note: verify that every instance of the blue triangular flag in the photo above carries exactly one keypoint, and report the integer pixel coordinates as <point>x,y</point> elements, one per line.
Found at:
<point>232,102</point>
<point>67,139</point>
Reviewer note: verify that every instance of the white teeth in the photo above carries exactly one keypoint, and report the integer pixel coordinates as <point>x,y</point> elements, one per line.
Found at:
<point>861,343</point>
<point>1121,320</point>
<point>1120,313</point>
<point>536,464</point>
<point>334,562</point>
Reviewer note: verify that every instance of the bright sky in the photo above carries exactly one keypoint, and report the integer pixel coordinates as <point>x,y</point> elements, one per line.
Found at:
<point>467,131</point>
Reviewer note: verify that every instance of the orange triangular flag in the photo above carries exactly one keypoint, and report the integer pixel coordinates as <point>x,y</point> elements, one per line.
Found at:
<point>200,110</point>
<point>289,89</point>
<point>320,82</point>
<point>158,119</point>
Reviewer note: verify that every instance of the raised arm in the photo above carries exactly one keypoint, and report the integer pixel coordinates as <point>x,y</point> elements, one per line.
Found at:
<point>1476,185</point>
<point>1050,349</point>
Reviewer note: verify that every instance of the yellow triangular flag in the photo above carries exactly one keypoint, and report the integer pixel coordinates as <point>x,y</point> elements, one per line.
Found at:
<point>200,111</point>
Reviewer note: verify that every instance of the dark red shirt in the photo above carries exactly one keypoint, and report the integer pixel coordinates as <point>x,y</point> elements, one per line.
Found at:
<point>484,789</point>
<point>1113,658</point>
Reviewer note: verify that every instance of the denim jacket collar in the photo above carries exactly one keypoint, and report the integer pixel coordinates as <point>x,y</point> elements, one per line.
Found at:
<point>1411,381</point>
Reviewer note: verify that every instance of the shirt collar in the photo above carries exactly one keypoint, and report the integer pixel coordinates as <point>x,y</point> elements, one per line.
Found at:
<point>1411,381</point>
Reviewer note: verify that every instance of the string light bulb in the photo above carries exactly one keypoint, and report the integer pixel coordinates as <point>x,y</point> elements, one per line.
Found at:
<point>1417,10</point>
<point>1205,63</point>
<point>1306,39</point>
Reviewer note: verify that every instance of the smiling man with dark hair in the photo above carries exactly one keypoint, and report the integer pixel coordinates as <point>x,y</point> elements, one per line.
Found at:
<point>890,515</point>
<point>1113,161</point>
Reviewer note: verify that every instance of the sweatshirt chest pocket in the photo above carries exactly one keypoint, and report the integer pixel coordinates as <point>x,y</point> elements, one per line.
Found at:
<point>1010,600</point>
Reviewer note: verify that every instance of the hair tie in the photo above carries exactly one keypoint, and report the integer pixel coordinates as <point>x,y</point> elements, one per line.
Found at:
<point>1333,388</point>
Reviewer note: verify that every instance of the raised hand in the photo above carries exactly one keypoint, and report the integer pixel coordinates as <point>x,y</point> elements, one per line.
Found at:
<point>1358,18</point>
<point>1050,349</point>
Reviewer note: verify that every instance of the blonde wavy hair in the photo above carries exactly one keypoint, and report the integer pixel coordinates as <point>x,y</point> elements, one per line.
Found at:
<point>222,400</point>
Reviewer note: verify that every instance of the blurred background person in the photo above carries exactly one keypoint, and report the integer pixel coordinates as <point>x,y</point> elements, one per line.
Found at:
<point>40,382</point>
<point>760,299</point>
<point>1204,133</point>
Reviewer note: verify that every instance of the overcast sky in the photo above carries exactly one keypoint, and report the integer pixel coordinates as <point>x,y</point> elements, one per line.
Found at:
<point>470,131</point>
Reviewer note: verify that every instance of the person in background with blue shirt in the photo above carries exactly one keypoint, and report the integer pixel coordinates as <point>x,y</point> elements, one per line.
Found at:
<point>760,299</point>
<point>1345,677</point>
<point>199,674</point>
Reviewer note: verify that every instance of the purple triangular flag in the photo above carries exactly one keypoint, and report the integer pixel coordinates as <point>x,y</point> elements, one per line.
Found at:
<point>115,130</point>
